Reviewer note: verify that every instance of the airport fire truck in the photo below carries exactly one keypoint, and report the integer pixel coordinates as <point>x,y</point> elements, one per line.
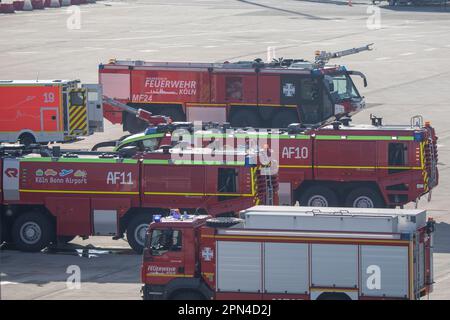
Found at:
<point>244,93</point>
<point>49,195</point>
<point>291,253</point>
<point>48,110</point>
<point>340,164</point>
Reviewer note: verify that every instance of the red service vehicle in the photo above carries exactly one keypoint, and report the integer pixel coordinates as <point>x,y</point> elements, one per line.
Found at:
<point>244,93</point>
<point>373,166</point>
<point>49,196</point>
<point>299,253</point>
<point>42,111</point>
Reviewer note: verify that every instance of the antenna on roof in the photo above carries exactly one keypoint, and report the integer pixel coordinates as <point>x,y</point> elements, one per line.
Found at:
<point>37,77</point>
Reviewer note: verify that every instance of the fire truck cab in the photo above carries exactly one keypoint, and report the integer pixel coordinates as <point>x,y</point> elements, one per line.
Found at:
<point>245,93</point>
<point>291,253</point>
<point>42,111</point>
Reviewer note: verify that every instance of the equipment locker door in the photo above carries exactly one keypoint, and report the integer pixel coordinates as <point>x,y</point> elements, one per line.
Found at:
<point>95,107</point>
<point>49,119</point>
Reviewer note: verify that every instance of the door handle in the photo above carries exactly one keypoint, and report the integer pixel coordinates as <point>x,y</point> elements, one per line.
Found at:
<point>53,117</point>
<point>180,269</point>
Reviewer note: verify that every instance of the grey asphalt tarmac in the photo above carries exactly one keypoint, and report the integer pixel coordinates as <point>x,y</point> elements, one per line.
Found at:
<point>408,74</point>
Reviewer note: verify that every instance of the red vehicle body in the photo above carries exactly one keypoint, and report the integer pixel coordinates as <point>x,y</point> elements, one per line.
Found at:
<point>46,196</point>
<point>248,93</point>
<point>291,253</point>
<point>346,165</point>
<point>48,110</point>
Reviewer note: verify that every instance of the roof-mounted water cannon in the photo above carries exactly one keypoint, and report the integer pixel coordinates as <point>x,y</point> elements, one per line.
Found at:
<point>322,57</point>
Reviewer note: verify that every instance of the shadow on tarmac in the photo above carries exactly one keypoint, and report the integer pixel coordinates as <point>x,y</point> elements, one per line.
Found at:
<point>432,8</point>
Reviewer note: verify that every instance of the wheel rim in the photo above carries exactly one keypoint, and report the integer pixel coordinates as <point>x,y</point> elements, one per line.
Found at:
<point>363,202</point>
<point>317,201</point>
<point>30,233</point>
<point>139,233</point>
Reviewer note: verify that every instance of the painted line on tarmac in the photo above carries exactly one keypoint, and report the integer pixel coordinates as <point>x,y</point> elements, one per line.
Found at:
<point>4,283</point>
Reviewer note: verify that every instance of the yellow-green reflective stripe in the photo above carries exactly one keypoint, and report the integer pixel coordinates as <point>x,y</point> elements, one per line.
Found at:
<point>78,191</point>
<point>190,194</point>
<point>367,138</point>
<point>190,162</point>
<point>304,137</point>
<point>77,160</point>
<point>249,136</point>
<point>156,161</point>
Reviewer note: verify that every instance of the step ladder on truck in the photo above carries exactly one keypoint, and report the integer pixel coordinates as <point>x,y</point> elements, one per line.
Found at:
<point>291,253</point>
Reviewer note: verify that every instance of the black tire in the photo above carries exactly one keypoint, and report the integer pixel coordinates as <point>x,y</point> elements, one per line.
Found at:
<point>65,239</point>
<point>144,293</point>
<point>5,231</point>
<point>318,196</point>
<point>223,222</point>
<point>187,295</point>
<point>27,139</point>
<point>333,296</point>
<point>135,233</point>
<point>32,232</point>
<point>245,118</point>
<point>284,118</point>
<point>364,198</point>
<point>2,231</point>
<point>174,114</point>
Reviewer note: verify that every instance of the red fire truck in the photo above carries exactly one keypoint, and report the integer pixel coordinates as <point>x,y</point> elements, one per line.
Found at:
<point>244,93</point>
<point>48,195</point>
<point>48,110</point>
<point>372,166</point>
<point>291,253</point>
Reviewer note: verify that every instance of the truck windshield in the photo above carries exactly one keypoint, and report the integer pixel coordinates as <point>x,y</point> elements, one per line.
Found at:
<point>341,87</point>
<point>164,240</point>
<point>149,144</point>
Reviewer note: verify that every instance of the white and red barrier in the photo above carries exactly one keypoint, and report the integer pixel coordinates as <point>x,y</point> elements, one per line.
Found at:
<point>7,8</point>
<point>11,6</point>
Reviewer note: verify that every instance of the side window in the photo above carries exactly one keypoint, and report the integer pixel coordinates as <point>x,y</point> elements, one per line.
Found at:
<point>309,90</point>
<point>165,240</point>
<point>143,145</point>
<point>233,88</point>
<point>226,181</point>
<point>310,100</point>
<point>397,156</point>
<point>150,144</point>
<point>76,98</point>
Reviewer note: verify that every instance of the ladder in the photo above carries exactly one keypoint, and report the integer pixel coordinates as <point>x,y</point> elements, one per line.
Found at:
<point>269,190</point>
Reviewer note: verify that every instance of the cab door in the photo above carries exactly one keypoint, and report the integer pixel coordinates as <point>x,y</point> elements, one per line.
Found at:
<point>94,107</point>
<point>168,257</point>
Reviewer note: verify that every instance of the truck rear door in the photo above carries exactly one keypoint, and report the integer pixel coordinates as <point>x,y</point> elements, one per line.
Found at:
<point>94,107</point>
<point>77,112</point>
